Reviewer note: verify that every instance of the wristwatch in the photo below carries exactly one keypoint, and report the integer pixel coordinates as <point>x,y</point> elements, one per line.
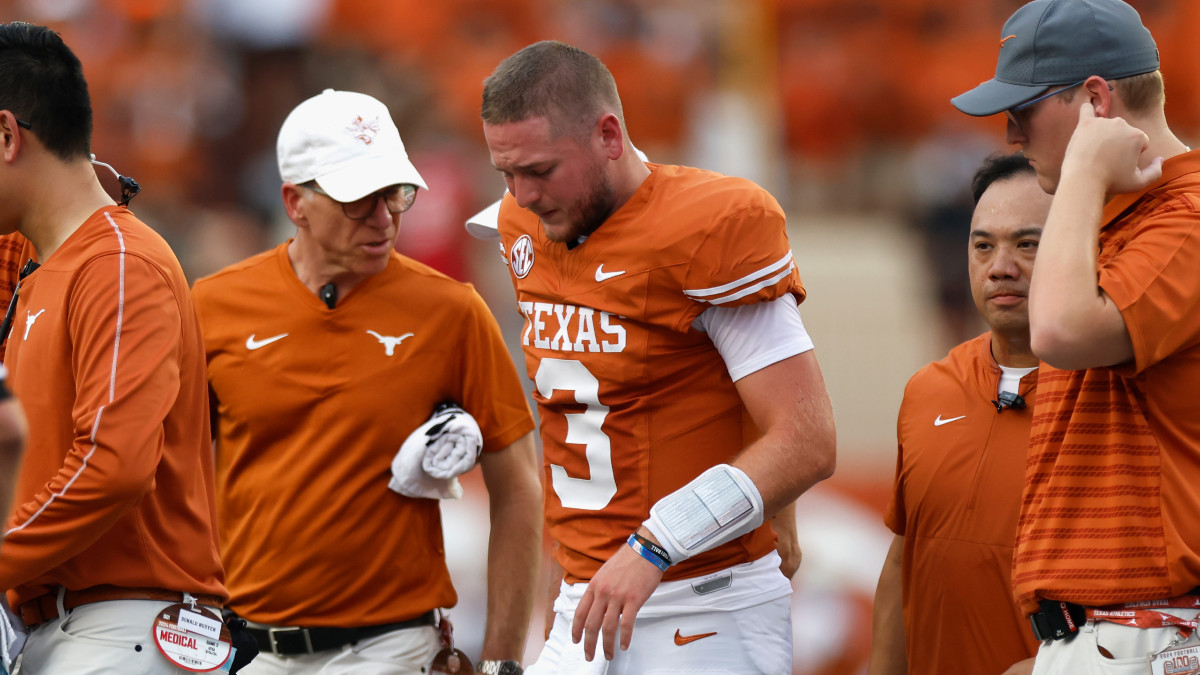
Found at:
<point>499,668</point>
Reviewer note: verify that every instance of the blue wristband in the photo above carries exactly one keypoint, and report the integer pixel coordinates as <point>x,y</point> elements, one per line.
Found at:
<point>647,553</point>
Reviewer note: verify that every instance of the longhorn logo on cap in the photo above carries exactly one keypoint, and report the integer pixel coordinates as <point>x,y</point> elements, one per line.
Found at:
<point>364,131</point>
<point>1006,40</point>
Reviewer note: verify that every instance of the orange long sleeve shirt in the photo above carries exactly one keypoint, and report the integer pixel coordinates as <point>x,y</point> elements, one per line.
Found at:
<point>107,360</point>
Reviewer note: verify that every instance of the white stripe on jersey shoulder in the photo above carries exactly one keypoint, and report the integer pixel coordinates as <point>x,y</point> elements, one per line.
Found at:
<point>755,280</point>
<point>112,382</point>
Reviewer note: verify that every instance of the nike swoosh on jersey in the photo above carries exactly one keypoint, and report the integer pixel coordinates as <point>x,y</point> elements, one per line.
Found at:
<point>601,275</point>
<point>939,421</point>
<point>682,640</point>
<point>253,344</point>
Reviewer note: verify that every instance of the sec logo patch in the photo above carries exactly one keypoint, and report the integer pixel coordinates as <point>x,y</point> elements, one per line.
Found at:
<point>520,256</point>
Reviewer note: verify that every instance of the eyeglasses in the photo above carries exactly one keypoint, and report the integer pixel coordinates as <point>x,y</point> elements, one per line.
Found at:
<point>23,125</point>
<point>398,198</point>
<point>1011,113</point>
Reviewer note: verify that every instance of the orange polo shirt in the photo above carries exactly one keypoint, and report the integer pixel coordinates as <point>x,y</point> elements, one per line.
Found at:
<point>959,475</point>
<point>312,404</point>
<point>1109,513</point>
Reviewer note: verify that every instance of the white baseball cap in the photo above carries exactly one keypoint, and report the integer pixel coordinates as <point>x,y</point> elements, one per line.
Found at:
<point>347,143</point>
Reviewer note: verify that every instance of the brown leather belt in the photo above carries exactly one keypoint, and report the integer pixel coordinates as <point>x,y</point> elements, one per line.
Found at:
<point>45,607</point>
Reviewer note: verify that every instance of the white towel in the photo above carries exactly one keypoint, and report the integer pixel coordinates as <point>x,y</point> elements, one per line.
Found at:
<point>12,634</point>
<point>431,458</point>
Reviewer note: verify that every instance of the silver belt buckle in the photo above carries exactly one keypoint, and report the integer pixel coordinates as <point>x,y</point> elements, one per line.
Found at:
<point>271,632</point>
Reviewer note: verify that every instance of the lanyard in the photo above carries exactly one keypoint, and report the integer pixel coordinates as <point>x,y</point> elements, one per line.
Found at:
<point>1140,614</point>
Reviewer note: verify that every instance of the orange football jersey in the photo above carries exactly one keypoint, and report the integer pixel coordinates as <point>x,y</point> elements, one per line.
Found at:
<point>634,403</point>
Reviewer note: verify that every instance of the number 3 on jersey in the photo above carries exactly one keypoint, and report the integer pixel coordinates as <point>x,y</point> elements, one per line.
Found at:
<point>590,494</point>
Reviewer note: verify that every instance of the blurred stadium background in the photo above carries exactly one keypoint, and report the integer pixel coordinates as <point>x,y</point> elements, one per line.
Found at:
<point>839,107</point>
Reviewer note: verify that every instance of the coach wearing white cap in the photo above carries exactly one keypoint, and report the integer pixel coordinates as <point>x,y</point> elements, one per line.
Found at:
<point>1107,559</point>
<point>324,355</point>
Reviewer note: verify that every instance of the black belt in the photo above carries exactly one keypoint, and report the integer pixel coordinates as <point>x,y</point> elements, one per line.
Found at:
<point>1057,620</point>
<point>288,640</point>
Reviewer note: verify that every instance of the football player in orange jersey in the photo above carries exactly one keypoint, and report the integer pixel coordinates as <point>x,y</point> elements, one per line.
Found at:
<point>661,332</point>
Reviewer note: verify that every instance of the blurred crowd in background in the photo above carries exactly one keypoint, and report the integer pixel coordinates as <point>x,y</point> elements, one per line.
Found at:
<point>833,105</point>
<point>839,107</point>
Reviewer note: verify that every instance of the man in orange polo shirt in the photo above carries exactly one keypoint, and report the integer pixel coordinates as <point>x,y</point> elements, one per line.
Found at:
<point>114,519</point>
<point>1108,543</point>
<point>324,355</point>
<point>944,603</point>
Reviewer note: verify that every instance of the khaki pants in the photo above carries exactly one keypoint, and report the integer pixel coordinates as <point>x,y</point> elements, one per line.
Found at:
<point>100,638</point>
<point>400,652</point>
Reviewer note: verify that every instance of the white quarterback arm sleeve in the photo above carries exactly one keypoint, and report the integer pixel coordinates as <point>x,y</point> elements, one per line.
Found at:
<point>720,505</point>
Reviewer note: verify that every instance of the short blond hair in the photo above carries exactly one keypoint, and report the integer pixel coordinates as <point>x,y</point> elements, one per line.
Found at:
<point>1142,93</point>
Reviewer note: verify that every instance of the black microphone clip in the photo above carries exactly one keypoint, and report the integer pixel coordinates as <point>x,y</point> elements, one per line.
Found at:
<point>1009,399</point>
<point>29,268</point>
<point>129,189</point>
<point>129,186</point>
<point>328,294</point>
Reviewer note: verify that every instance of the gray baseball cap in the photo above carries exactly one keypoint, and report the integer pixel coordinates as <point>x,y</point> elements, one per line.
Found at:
<point>1060,42</point>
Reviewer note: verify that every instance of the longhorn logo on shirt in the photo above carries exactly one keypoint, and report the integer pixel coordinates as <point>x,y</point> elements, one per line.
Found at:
<point>520,257</point>
<point>29,321</point>
<point>363,130</point>
<point>389,343</point>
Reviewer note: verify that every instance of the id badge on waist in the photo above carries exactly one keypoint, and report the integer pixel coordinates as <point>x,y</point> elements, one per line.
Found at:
<point>1177,661</point>
<point>194,638</point>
